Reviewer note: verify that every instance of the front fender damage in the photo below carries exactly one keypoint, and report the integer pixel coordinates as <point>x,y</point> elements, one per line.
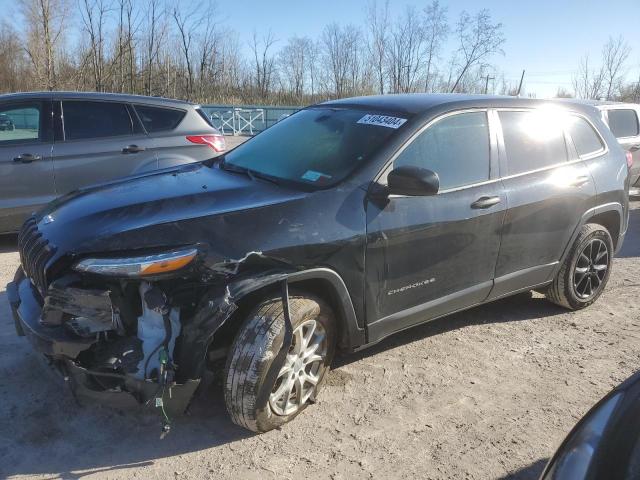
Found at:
<point>215,310</point>
<point>156,354</point>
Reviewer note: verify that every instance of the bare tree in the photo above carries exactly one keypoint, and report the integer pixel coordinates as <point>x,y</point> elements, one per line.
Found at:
<point>563,93</point>
<point>93,14</point>
<point>588,82</point>
<point>188,24</point>
<point>614,54</point>
<point>155,36</point>
<point>378,25</point>
<point>12,62</point>
<point>436,31</point>
<point>405,51</point>
<point>293,61</point>
<point>264,62</point>
<point>207,47</point>
<point>342,58</point>
<point>44,20</point>
<point>478,39</point>
<point>126,32</point>
<point>631,92</point>
<point>313,56</point>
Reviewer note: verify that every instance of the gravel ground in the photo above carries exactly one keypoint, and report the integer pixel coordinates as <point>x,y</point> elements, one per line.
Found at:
<point>488,393</point>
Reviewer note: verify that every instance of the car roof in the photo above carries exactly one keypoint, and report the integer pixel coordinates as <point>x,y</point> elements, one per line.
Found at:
<point>600,104</point>
<point>112,97</point>
<point>417,103</point>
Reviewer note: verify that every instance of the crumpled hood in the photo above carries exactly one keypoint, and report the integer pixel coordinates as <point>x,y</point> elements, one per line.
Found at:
<point>95,218</point>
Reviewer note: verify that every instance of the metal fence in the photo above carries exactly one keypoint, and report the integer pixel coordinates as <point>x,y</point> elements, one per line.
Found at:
<point>245,119</point>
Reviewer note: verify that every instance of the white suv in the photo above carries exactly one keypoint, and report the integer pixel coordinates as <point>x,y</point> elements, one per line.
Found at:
<point>623,121</point>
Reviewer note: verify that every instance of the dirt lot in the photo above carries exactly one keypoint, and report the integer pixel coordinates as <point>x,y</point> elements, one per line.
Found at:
<point>488,393</point>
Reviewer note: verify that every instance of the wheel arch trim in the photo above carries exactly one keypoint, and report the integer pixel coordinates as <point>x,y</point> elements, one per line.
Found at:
<point>222,301</point>
<point>588,215</point>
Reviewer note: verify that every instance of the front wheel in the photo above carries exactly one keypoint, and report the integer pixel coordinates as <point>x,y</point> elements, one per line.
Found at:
<point>585,271</point>
<point>261,399</point>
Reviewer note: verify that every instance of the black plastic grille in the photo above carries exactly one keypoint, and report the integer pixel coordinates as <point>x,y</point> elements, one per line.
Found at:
<point>35,252</point>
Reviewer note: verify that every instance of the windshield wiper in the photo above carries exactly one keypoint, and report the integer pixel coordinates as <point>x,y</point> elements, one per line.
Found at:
<point>263,176</point>
<point>235,169</point>
<point>252,174</point>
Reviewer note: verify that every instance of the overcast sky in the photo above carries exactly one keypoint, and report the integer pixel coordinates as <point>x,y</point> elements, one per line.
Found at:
<point>547,38</point>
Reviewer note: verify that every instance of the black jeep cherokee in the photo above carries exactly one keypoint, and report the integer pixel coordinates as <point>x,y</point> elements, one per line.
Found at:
<point>336,227</point>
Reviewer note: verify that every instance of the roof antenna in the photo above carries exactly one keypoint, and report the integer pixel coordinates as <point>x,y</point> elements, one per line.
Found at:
<point>520,86</point>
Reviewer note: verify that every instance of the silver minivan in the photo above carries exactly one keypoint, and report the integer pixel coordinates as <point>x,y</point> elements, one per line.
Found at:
<point>62,141</point>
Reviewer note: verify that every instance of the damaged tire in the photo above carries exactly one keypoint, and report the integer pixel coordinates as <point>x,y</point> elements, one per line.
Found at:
<point>261,395</point>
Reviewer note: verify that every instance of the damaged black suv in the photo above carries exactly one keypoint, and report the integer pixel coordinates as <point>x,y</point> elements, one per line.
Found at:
<point>338,226</point>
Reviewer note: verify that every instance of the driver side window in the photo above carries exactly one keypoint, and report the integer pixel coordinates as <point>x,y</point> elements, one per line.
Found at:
<point>455,147</point>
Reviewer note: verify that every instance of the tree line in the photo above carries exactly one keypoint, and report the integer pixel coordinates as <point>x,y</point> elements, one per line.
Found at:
<point>185,50</point>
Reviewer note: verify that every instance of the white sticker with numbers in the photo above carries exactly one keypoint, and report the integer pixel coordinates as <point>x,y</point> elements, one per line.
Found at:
<point>382,121</point>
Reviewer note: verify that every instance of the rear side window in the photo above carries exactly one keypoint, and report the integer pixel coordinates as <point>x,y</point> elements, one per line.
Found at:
<point>532,140</point>
<point>158,119</point>
<point>623,122</point>
<point>456,148</point>
<point>584,137</point>
<point>84,120</point>
<point>19,123</point>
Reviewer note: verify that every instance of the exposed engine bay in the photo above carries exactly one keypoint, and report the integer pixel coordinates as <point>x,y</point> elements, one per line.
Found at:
<point>115,344</point>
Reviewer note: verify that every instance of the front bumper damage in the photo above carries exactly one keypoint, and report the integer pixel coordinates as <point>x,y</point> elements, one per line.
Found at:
<point>63,348</point>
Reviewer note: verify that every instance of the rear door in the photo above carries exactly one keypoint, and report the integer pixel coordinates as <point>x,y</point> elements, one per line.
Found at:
<point>172,146</point>
<point>548,189</point>
<point>99,141</point>
<point>428,256</point>
<point>624,123</point>
<point>180,135</point>
<point>26,169</point>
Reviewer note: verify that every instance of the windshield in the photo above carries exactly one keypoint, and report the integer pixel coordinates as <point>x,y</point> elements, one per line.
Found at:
<point>317,147</point>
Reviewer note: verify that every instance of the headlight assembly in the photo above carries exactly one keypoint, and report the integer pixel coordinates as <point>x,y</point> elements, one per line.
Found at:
<point>138,266</point>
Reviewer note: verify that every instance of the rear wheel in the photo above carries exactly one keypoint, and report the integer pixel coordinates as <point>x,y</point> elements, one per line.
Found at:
<point>257,396</point>
<point>585,271</point>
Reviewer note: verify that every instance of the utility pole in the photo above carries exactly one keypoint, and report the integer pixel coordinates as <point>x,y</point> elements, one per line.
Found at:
<point>486,83</point>
<point>520,86</point>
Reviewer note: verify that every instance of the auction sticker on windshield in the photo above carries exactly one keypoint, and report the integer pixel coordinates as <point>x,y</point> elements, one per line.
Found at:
<point>313,176</point>
<point>382,121</point>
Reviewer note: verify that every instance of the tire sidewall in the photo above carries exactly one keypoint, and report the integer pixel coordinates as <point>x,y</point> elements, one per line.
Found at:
<point>302,308</point>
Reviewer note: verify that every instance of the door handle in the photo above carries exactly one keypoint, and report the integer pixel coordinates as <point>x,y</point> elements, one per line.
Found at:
<point>485,202</point>
<point>579,181</point>
<point>26,158</point>
<point>133,149</point>
<point>634,148</point>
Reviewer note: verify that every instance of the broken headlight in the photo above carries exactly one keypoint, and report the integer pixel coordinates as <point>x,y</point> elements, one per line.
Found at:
<point>138,266</point>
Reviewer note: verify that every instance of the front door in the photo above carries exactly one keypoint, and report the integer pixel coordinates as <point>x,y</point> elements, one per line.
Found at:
<point>428,256</point>
<point>101,141</point>
<point>26,169</point>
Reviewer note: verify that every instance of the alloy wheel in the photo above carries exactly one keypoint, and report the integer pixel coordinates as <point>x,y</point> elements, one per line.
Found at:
<point>591,269</point>
<point>302,368</point>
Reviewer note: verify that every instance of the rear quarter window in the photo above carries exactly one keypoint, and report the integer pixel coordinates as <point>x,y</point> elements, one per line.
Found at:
<point>532,140</point>
<point>205,117</point>
<point>159,119</point>
<point>623,122</point>
<point>584,137</point>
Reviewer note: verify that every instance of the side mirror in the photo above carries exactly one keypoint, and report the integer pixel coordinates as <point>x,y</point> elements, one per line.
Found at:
<point>413,181</point>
